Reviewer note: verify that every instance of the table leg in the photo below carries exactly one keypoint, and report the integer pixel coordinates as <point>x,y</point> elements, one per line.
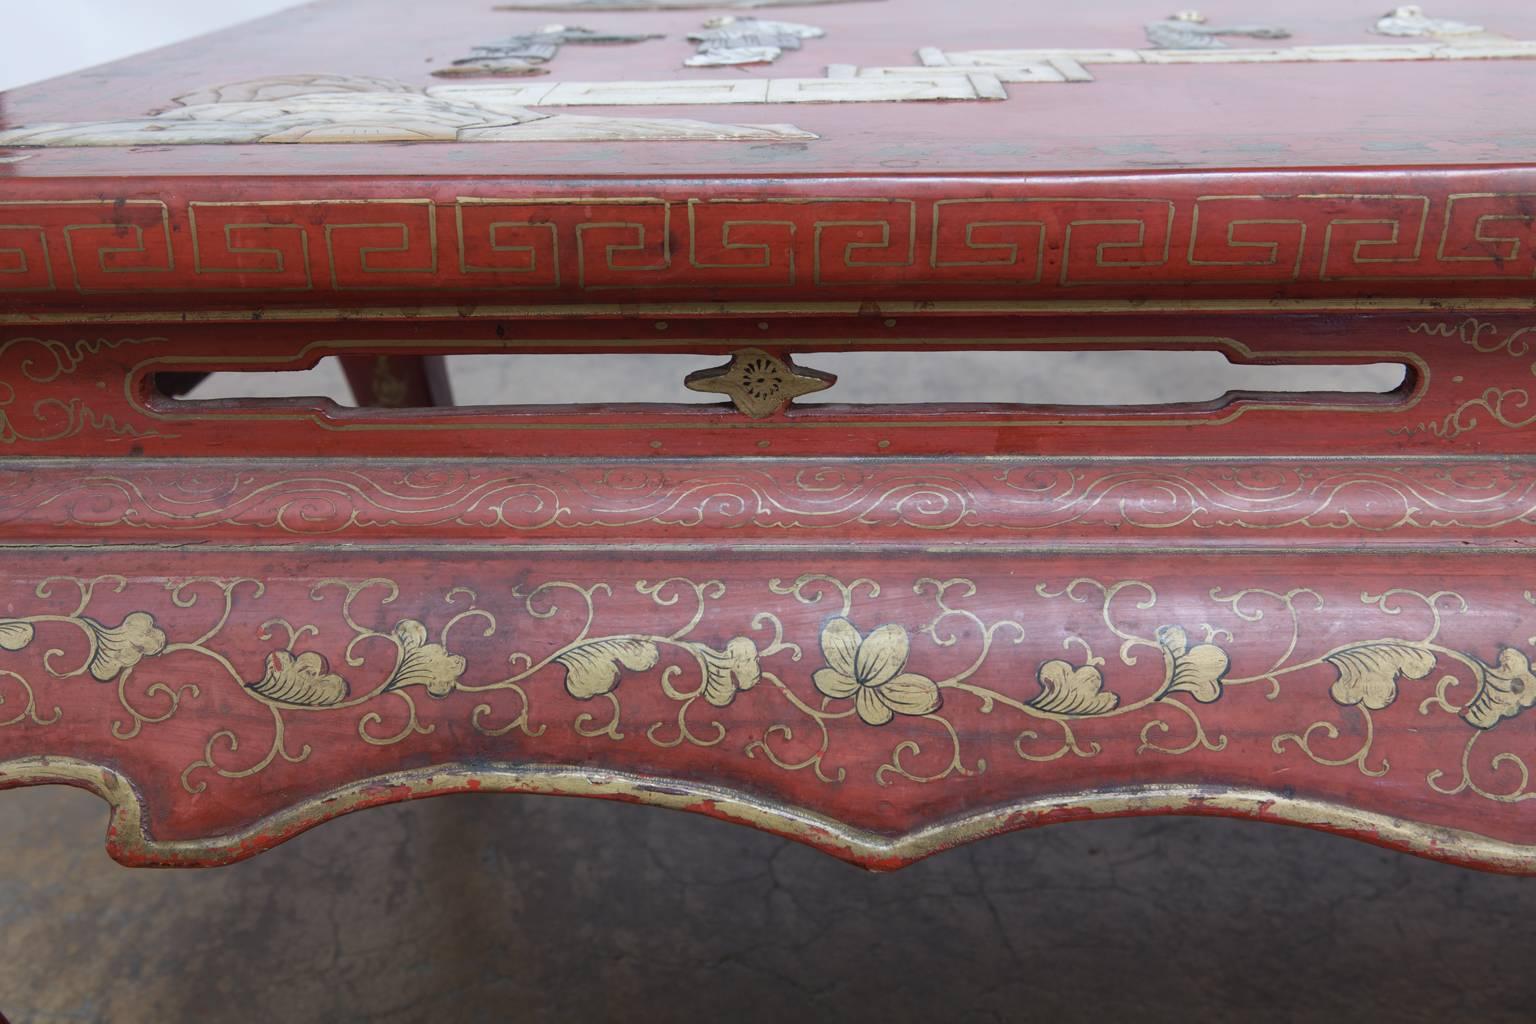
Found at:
<point>394,382</point>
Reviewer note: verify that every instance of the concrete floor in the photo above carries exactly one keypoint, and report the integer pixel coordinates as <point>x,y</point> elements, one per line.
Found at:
<point>467,909</point>
<point>537,909</point>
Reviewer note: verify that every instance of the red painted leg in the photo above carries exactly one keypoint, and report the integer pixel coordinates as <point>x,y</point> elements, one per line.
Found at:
<point>396,382</point>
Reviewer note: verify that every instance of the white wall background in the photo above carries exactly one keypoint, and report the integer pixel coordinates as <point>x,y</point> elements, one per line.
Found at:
<point>43,38</point>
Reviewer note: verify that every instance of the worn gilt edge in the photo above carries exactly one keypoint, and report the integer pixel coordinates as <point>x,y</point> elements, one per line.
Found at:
<point>577,310</point>
<point>130,843</point>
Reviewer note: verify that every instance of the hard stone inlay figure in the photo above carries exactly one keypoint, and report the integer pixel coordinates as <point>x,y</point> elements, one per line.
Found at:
<point>340,108</point>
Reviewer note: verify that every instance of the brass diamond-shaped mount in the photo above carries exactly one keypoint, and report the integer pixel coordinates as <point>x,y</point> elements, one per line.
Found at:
<point>758,383</point>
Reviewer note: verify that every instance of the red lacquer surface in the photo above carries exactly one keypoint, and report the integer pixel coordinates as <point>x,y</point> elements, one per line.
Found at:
<point>880,629</point>
<point>1312,602</point>
<point>1132,118</point>
<point>1218,667</point>
<point>1464,393</point>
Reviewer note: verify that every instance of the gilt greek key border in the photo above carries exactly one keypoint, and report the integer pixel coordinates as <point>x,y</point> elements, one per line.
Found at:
<point>599,244</point>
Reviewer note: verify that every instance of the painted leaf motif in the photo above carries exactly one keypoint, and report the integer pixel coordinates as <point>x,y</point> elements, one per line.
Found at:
<point>1504,690</point>
<point>124,646</point>
<point>730,670</point>
<point>872,710</point>
<point>424,664</point>
<point>1069,690</point>
<point>592,669</point>
<point>15,635</point>
<point>1368,673</point>
<point>304,681</point>
<point>839,644</point>
<point>1196,670</point>
<point>835,684</point>
<point>910,694</point>
<point>881,656</point>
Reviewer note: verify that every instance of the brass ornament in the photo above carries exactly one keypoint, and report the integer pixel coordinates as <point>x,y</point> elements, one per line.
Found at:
<point>759,384</point>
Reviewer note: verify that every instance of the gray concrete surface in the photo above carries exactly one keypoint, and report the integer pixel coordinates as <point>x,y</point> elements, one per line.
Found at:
<point>469,909</point>
<point>537,909</point>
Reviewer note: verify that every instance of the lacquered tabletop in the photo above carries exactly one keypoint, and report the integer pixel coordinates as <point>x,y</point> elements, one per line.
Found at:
<point>1330,111</point>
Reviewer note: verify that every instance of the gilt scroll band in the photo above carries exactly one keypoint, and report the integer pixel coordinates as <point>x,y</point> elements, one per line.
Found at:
<point>1391,500</point>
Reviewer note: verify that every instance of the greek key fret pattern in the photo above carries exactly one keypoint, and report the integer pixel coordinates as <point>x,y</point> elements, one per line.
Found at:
<point>596,245</point>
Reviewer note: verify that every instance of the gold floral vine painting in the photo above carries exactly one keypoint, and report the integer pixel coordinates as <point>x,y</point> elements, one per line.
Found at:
<point>824,682</point>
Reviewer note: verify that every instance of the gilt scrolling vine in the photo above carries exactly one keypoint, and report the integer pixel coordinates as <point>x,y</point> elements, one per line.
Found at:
<point>859,672</point>
<point>1509,404</point>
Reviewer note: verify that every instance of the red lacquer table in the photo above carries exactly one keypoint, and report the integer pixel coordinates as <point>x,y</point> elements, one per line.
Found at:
<point>881,629</point>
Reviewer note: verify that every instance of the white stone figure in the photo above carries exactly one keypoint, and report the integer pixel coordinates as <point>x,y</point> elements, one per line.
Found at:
<point>526,53</point>
<point>1187,30</point>
<point>340,108</point>
<point>783,28</point>
<point>1410,20</point>
<point>729,40</point>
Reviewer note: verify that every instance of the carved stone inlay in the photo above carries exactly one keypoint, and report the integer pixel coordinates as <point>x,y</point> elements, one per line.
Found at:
<point>1188,30</point>
<point>730,40</point>
<point>528,52</point>
<point>349,108</point>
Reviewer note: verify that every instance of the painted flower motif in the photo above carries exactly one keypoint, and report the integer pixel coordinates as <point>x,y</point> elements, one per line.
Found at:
<point>424,664</point>
<point>303,681</point>
<point>1506,689</point>
<point>871,671</point>
<point>124,646</point>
